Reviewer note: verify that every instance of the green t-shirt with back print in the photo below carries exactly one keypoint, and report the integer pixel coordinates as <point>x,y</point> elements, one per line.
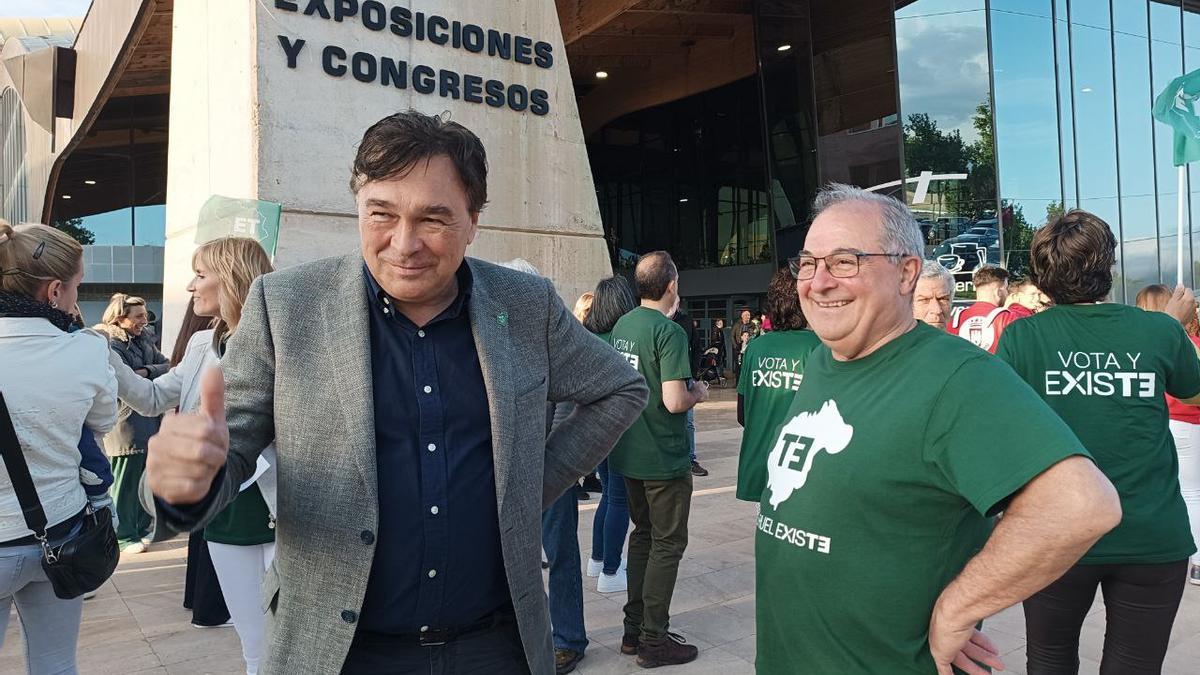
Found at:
<point>880,488</point>
<point>1104,369</point>
<point>772,370</point>
<point>655,446</point>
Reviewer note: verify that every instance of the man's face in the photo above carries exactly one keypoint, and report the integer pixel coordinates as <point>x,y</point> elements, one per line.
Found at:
<point>1001,292</point>
<point>745,316</point>
<point>415,230</point>
<point>931,303</point>
<point>856,315</point>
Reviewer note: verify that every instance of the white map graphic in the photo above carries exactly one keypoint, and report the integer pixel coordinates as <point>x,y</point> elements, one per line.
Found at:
<point>801,440</point>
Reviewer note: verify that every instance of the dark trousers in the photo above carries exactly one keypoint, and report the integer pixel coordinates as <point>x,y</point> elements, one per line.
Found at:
<point>496,650</point>
<point>1140,602</point>
<point>560,539</point>
<point>201,589</point>
<point>127,476</point>
<point>659,510</point>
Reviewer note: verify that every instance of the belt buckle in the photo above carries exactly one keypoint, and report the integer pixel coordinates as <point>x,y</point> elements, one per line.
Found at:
<point>434,638</point>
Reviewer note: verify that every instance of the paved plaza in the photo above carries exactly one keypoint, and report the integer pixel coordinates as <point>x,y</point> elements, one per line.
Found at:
<point>136,623</point>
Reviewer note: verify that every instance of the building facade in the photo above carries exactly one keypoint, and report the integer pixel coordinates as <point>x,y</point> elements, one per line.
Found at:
<point>703,127</point>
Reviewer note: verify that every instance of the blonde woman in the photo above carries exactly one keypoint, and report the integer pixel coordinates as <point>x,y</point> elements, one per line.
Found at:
<point>1184,421</point>
<point>241,539</point>
<point>55,383</point>
<point>124,322</point>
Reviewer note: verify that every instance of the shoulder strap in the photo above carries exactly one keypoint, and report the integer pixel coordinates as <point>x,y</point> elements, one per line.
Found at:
<point>18,472</point>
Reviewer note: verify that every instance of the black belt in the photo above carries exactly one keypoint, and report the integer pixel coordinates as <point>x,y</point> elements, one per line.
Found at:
<point>436,637</point>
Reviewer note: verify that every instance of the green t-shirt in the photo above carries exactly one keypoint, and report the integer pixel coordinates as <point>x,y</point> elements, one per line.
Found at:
<point>245,522</point>
<point>655,447</point>
<point>771,373</point>
<point>1103,369</point>
<point>880,488</point>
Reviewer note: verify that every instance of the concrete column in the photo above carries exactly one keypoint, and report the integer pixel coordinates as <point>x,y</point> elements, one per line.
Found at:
<point>248,120</point>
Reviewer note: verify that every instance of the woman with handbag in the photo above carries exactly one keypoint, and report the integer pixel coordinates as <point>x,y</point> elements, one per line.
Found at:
<point>53,384</point>
<point>241,539</point>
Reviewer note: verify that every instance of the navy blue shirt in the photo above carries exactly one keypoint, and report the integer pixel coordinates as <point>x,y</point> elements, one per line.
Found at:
<point>438,561</point>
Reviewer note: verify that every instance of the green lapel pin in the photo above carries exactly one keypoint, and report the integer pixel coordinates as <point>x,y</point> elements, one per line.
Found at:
<point>502,318</point>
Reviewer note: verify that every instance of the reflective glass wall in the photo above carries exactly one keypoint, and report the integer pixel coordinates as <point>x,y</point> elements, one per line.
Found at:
<point>1074,83</point>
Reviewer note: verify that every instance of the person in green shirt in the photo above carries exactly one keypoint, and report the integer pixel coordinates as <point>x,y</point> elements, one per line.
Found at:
<point>773,371</point>
<point>875,550</point>
<point>653,456</point>
<point>1104,368</point>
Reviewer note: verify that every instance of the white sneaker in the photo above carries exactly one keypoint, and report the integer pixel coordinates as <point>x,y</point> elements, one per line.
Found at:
<point>595,567</point>
<point>613,583</point>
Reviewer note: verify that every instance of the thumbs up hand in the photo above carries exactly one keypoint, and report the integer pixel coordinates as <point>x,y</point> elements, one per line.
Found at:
<point>189,449</point>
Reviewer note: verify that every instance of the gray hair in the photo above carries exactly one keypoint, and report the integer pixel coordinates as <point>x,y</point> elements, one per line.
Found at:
<point>899,230</point>
<point>521,265</point>
<point>932,269</point>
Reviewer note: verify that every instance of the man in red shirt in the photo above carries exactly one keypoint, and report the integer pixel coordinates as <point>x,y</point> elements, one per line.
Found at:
<point>983,322</point>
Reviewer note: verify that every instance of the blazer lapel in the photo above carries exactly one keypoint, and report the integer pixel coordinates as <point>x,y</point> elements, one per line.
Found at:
<point>490,328</point>
<point>347,316</point>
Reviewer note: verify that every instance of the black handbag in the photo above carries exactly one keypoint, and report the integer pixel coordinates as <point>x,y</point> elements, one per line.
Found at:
<point>82,563</point>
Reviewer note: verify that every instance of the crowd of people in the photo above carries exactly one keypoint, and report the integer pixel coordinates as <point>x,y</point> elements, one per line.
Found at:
<point>382,446</point>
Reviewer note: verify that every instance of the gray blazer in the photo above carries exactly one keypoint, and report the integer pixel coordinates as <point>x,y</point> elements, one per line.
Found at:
<point>298,371</point>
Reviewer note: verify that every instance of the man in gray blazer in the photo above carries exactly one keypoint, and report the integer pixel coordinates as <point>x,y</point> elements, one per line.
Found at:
<point>404,390</point>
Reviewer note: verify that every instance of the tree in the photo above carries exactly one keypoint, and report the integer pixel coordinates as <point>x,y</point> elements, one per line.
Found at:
<point>75,228</point>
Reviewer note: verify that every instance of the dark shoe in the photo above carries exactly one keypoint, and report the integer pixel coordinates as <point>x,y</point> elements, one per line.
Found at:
<point>592,484</point>
<point>565,660</point>
<point>672,650</point>
<point>698,470</point>
<point>630,644</point>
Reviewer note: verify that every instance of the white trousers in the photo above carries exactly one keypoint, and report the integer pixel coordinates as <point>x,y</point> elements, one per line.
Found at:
<point>240,570</point>
<point>1187,445</point>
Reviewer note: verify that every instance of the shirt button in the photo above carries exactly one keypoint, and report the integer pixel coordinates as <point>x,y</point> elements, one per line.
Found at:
<point>348,616</point>
<point>387,301</point>
<point>431,447</point>
<point>424,628</point>
<point>421,333</point>
<point>385,310</point>
<point>433,510</point>
<point>432,573</point>
<point>428,389</point>
<point>367,537</point>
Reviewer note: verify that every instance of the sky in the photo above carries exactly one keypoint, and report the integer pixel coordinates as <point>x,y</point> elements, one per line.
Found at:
<point>25,8</point>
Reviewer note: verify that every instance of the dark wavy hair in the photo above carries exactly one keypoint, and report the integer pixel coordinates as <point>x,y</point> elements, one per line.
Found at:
<point>394,145</point>
<point>611,300</point>
<point>1072,257</point>
<point>783,303</point>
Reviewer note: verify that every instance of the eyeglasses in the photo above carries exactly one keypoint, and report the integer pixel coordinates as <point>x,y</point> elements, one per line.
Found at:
<point>840,265</point>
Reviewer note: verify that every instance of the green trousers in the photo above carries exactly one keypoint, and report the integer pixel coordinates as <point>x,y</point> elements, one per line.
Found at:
<point>127,476</point>
<point>659,510</point>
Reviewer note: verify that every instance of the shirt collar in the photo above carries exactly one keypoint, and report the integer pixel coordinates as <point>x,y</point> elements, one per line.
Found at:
<point>380,299</point>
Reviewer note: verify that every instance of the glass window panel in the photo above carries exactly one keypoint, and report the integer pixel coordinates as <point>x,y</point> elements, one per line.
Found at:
<point>1130,18</point>
<point>1191,40</point>
<point>1026,127</point>
<point>150,225</point>
<point>112,228</point>
<point>1135,136</point>
<point>1092,13</point>
<point>1166,57</point>
<point>1164,21</point>
<point>949,153</point>
<point>1040,8</point>
<point>1095,126</point>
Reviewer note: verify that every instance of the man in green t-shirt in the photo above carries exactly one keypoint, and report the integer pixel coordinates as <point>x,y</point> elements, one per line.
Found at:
<point>773,371</point>
<point>875,551</point>
<point>653,456</point>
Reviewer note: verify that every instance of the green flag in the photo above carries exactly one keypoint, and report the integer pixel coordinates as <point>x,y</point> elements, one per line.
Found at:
<point>1174,107</point>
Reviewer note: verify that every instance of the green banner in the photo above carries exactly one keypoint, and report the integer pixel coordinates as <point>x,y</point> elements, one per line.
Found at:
<point>229,217</point>
<point>1175,107</point>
